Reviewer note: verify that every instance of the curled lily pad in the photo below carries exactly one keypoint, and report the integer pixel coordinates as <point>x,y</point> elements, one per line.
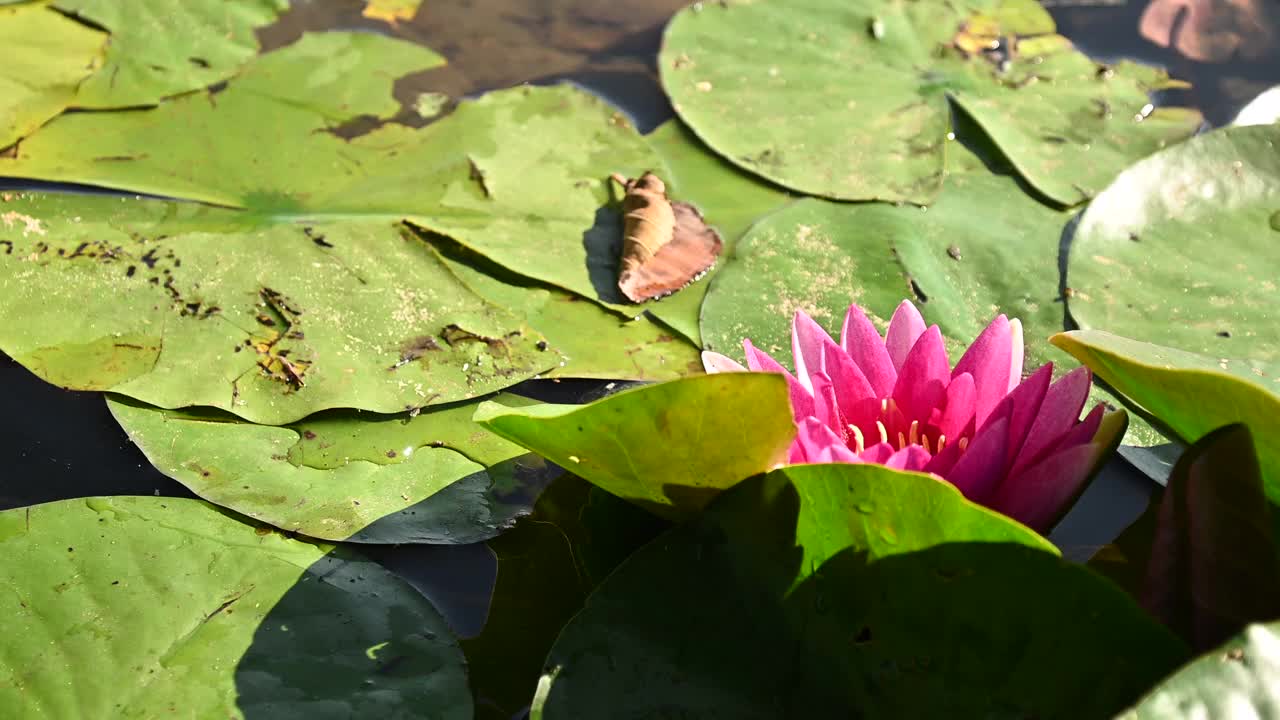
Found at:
<point>1189,237</point>
<point>47,55</point>
<point>433,478</point>
<point>209,613</point>
<point>838,590</point>
<point>849,100</point>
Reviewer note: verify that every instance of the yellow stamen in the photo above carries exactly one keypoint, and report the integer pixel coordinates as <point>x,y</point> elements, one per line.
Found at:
<point>884,405</point>
<point>942,441</point>
<point>914,436</point>
<point>964,444</point>
<point>902,441</point>
<point>884,434</point>
<point>859,442</point>
<point>924,441</point>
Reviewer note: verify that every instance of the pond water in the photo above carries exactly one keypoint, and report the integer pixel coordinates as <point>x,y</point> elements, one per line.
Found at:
<point>59,444</point>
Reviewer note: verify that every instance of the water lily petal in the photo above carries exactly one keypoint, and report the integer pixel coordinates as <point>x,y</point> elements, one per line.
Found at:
<point>911,457</point>
<point>817,444</point>
<point>858,401</point>
<point>1038,496</point>
<point>1020,408</point>
<point>807,339</point>
<point>714,362</point>
<point>1016,349</point>
<point>1059,412</point>
<point>878,453</point>
<point>760,361</point>
<point>1085,431</point>
<point>825,406</point>
<point>958,407</point>
<point>981,467</point>
<point>922,378</point>
<point>866,348</point>
<point>905,328</point>
<point>988,360</point>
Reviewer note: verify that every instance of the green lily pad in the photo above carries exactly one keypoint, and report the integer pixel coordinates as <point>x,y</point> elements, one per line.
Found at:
<point>47,55</point>
<point>668,447</point>
<point>209,614</point>
<point>178,305</point>
<point>728,198</point>
<point>1191,394</point>
<point>591,342</point>
<point>161,48</point>
<point>520,176</point>
<point>1189,236</point>
<point>1237,679</point>
<point>434,478</point>
<point>845,590</point>
<point>849,100</point>
<point>1213,567</point>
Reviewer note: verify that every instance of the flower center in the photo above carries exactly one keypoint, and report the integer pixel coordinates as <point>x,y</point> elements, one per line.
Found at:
<point>915,434</point>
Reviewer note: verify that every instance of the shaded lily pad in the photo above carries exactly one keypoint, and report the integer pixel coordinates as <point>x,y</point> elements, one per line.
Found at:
<point>1191,394</point>
<point>728,198</point>
<point>1237,679</point>
<point>343,475</point>
<point>210,613</point>
<point>182,305</point>
<point>668,447</point>
<point>46,56</point>
<point>1213,566</point>
<point>161,48</point>
<point>850,100</point>
<point>845,590</point>
<point>1191,237</point>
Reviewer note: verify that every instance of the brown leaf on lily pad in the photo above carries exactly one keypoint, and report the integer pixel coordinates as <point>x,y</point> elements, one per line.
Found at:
<point>666,245</point>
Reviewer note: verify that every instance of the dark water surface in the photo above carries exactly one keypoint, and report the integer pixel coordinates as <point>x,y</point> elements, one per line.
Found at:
<point>58,444</point>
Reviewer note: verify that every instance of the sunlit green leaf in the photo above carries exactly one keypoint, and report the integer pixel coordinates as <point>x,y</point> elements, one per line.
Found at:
<point>668,447</point>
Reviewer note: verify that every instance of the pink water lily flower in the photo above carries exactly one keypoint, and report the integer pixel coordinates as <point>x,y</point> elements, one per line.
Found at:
<point>1017,446</point>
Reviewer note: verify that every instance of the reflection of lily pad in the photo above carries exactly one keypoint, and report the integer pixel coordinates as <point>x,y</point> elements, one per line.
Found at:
<point>161,48</point>
<point>852,591</point>
<point>1182,250</point>
<point>848,100</point>
<point>46,56</point>
<point>208,614</point>
<point>434,478</point>
<point>182,305</point>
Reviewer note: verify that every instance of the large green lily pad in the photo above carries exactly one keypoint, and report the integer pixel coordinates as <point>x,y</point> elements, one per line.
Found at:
<point>344,475</point>
<point>161,48</point>
<point>1235,680</point>
<point>852,590</point>
<point>668,447</point>
<point>46,56</point>
<point>174,604</point>
<point>520,176</point>
<point>1189,238</point>
<point>849,100</point>
<point>1191,394</point>
<point>181,305</point>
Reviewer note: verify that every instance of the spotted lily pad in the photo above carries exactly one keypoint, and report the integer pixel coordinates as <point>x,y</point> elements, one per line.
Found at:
<point>161,48</point>
<point>181,305</point>
<point>432,478</point>
<point>209,614</point>
<point>849,100</point>
<point>46,56</point>
<point>1181,251</point>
